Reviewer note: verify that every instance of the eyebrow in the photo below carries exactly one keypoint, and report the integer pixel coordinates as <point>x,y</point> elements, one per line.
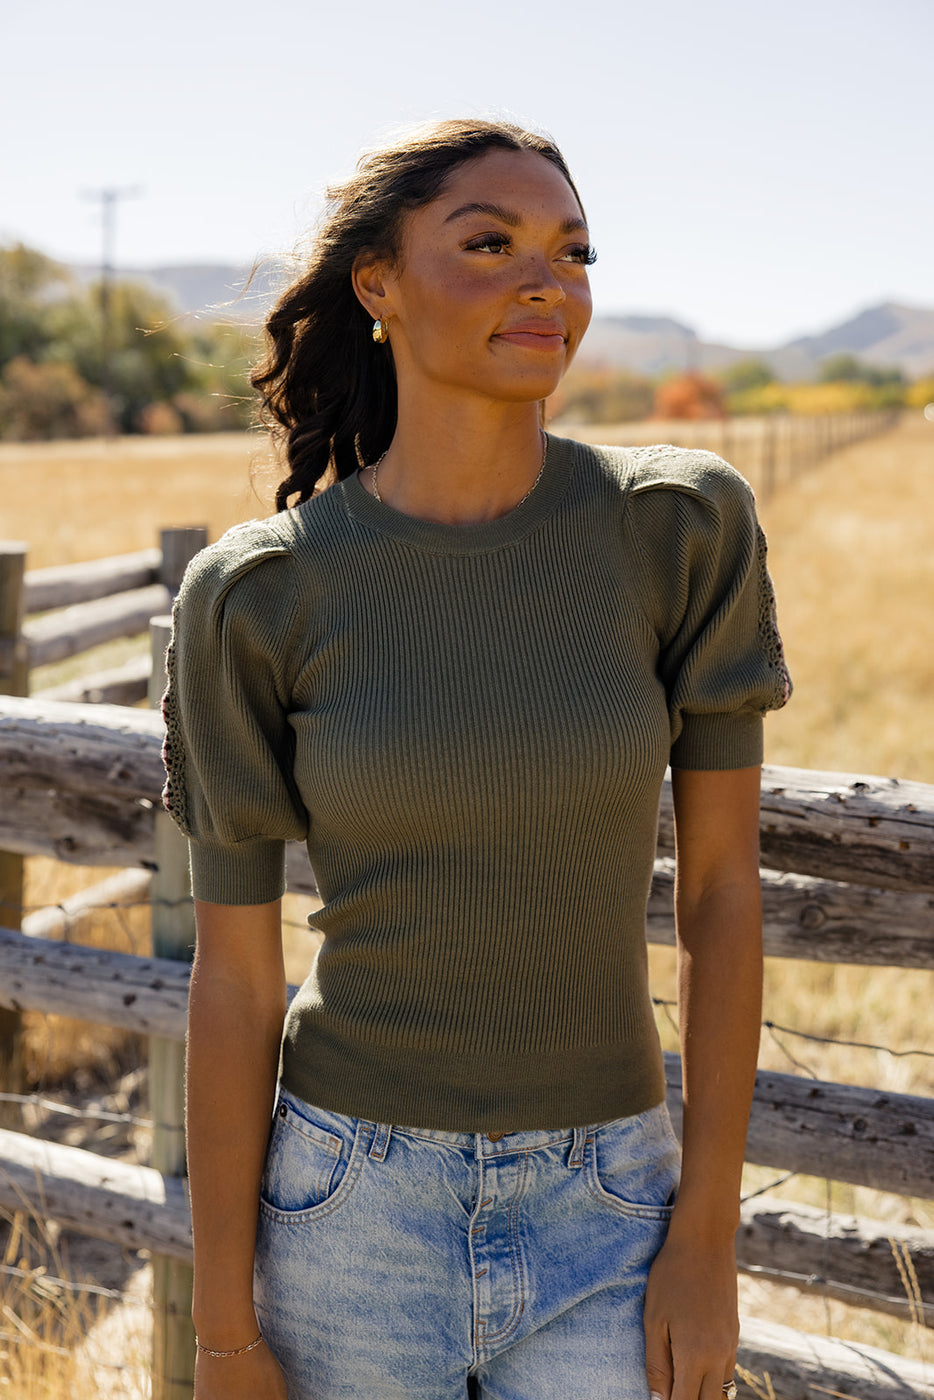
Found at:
<point>507,216</point>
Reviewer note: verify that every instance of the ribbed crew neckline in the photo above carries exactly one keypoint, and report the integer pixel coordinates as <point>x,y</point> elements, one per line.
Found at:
<point>505,530</point>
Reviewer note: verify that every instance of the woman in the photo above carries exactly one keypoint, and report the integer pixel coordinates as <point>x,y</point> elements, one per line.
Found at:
<point>459,673</point>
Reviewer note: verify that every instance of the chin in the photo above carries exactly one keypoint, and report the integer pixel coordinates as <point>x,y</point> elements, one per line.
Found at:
<point>528,389</point>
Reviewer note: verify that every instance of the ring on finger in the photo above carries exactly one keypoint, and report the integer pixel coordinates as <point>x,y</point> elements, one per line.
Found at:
<point>729,1389</point>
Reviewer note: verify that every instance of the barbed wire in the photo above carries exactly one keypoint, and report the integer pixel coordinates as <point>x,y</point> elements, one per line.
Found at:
<point>82,911</point>
<point>764,1190</point>
<point>850,1044</point>
<point>857,1293</point>
<point>76,913</point>
<point>773,1026</point>
<point>96,1115</point>
<point>43,1281</point>
<point>792,1059</point>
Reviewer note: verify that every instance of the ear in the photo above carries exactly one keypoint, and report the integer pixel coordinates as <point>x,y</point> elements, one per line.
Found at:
<point>370,277</point>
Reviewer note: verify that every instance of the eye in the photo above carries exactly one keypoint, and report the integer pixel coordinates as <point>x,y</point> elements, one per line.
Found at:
<point>583,253</point>
<point>489,242</point>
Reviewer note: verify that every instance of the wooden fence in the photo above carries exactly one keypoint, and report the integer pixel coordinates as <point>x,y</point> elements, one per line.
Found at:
<point>769,451</point>
<point>80,607</point>
<point>848,877</point>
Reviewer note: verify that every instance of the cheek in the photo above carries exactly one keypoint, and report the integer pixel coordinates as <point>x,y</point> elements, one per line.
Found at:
<point>580,302</point>
<point>445,288</point>
<point>451,313</point>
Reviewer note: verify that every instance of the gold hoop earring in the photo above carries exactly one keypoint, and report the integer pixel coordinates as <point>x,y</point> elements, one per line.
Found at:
<point>380,331</point>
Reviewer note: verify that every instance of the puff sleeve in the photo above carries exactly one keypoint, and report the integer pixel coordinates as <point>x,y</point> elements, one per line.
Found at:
<point>229,746</point>
<point>708,594</point>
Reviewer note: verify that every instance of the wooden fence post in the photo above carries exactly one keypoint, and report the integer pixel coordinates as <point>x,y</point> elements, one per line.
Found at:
<point>768,458</point>
<point>179,547</point>
<point>14,680</point>
<point>173,936</point>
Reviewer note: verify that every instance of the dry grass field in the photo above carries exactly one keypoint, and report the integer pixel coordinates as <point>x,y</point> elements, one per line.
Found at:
<point>851,556</point>
<point>87,499</point>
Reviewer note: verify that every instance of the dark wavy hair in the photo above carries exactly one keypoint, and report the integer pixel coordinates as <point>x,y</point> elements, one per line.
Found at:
<point>328,391</point>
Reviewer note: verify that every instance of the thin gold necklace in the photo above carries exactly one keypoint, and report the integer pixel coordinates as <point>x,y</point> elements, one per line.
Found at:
<point>375,467</point>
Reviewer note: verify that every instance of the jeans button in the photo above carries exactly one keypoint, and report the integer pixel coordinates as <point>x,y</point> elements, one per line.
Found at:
<point>495,1137</point>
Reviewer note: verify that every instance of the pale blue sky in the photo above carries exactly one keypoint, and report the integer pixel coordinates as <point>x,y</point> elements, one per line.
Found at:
<point>758,171</point>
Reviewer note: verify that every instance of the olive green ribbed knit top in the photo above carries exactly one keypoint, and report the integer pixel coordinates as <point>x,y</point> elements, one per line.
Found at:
<point>469,725</point>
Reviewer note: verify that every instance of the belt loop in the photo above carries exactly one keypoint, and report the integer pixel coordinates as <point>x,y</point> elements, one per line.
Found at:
<point>380,1143</point>
<point>576,1158</point>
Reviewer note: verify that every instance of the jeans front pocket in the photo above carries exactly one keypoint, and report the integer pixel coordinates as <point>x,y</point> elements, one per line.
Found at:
<point>632,1164</point>
<point>308,1157</point>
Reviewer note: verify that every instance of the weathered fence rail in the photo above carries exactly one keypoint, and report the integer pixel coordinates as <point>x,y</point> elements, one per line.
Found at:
<point>857,828</point>
<point>803,1367</point>
<point>116,685</point>
<point>75,629</point>
<point>88,604</point>
<point>65,584</point>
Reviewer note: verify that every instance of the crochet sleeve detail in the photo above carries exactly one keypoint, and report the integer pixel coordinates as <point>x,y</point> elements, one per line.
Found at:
<point>708,594</point>
<point>174,793</point>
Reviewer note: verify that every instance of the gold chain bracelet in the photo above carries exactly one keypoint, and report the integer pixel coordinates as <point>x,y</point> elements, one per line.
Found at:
<point>237,1351</point>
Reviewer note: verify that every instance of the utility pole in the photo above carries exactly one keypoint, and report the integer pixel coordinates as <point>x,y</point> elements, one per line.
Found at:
<point>108,199</point>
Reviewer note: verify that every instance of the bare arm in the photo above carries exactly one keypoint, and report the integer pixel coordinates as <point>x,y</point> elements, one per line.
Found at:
<point>691,1322</point>
<point>235,1017</point>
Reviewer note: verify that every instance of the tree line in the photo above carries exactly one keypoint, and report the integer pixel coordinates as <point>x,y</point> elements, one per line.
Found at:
<point>844,384</point>
<point>78,361</point>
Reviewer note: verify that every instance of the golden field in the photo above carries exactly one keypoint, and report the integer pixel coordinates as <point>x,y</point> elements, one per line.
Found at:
<point>78,500</point>
<point>851,556</point>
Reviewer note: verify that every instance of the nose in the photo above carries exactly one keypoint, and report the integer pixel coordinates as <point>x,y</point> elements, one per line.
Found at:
<point>539,283</point>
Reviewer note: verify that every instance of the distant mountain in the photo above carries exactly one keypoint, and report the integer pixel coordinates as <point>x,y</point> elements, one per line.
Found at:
<point>891,335</point>
<point>651,345</point>
<point>214,291</point>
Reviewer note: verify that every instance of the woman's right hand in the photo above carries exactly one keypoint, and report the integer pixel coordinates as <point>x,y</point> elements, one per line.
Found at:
<point>256,1375</point>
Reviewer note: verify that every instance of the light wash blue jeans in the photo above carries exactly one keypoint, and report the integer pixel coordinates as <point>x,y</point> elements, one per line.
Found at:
<point>410,1264</point>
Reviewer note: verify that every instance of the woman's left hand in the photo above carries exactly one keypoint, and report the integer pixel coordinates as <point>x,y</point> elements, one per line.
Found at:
<point>691,1322</point>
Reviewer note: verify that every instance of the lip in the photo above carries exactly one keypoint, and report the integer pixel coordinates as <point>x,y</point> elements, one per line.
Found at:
<point>537,335</point>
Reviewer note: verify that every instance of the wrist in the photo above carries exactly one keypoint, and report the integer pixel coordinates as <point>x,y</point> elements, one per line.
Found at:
<point>700,1223</point>
<point>227,1330</point>
<point>222,1353</point>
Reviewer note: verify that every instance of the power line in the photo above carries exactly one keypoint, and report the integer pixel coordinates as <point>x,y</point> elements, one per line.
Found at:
<point>108,197</point>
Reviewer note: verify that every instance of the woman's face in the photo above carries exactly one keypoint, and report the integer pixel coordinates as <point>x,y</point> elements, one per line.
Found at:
<point>491,295</point>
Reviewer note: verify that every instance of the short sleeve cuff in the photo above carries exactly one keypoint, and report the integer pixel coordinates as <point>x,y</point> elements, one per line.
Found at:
<point>251,872</point>
<point>708,743</point>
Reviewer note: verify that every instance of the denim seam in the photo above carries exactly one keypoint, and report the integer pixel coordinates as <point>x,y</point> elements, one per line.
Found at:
<point>632,1209</point>
<point>515,1259</point>
<point>472,1258</point>
<point>332,1146</point>
<point>379,1142</point>
<point>344,1187</point>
